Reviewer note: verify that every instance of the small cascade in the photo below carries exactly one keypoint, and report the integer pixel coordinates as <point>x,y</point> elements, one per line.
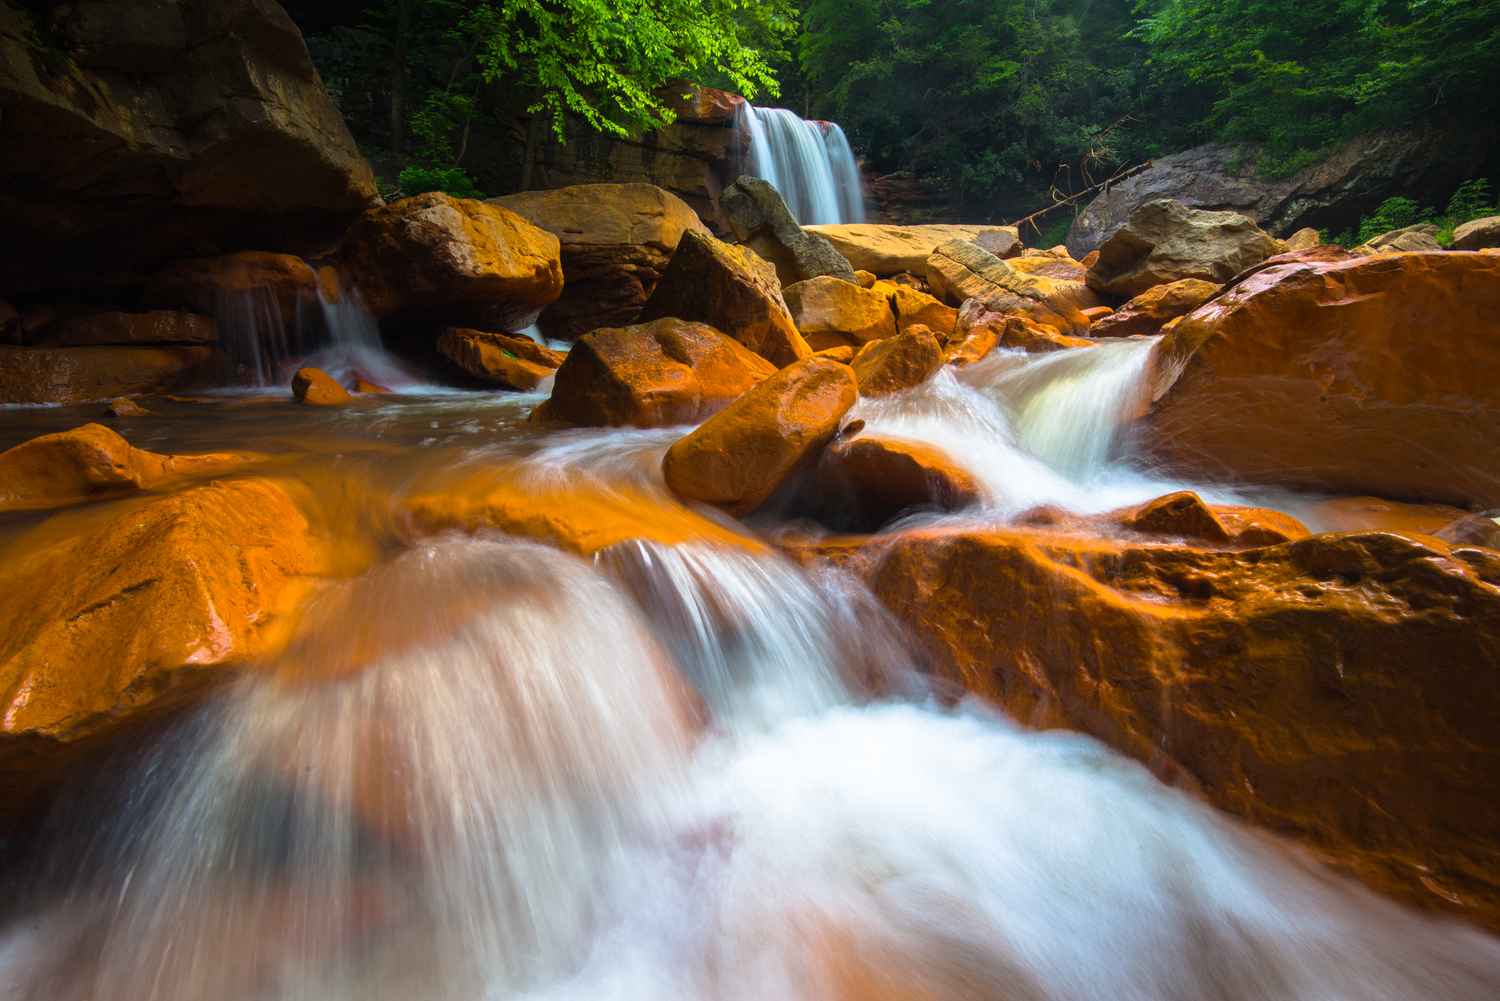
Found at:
<point>354,349</point>
<point>809,162</point>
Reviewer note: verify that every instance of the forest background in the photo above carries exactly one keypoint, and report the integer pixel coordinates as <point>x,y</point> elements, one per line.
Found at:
<point>1024,97</point>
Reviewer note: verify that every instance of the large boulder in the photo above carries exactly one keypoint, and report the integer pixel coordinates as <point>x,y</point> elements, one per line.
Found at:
<point>912,307</point>
<point>1425,162</point>
<point>1368,376</point>
<point>752,448</point>
<point>86,463</point>
<point>830,313</point>
<point>732,290</point>
<point>959,271</point>
<point>888,250</point>
<point>111,626</point>
<point>1338,688</point>
<point>1147,312</point>
<point>616,241</point>
<point>1408,239</point>
<point>759,219</point>
<point>1478,234</point>
<point>861,483</point>
<point>651,375</point>
<point>33,375</point>
<point>899,362</point>
<point>134,127</point>
<point>514,362</point>
<point>435,260</point>
<point>1165,241</point>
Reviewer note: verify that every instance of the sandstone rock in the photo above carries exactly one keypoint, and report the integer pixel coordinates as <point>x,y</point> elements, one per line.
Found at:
<point>1303,239</point>
<point>1096,314</point>
<point>316,387</point>
<point>361,386</point>
<point>1048,266</point>
<point>1146,313</point>
<point>693,102</point>
<point>911,281</point>
<point>896,363</point>
<point>1004,243</point>
<point>1478,234</point>
<point>616,240</point>
<point>77,375</point>
<point>760,220</point>
<point>912,307</point>
<point>651,375</point>
<point>863,483</point>
<point>1375,514</point>
<point>843,354</point>
<point>1479,529</point>
<point>1165,241</point>
<point>159,326</point>
<point>890,250</point>
<point>1184,515</point>
<point>434,259</point>
<point>507,361</point>
<point>88,462</point>
<point>1027,335</point>
<point>865,279</point>
<point>1335,688</point>
<point>135,615</point>
<point>166,123</point>
<point>746,452</point>
<point>1424,161</point>
<point>128,406</point>
<point>228,286</point>
<point>829,313</point>
<point>958,271</point>
<point>976,331</point>
<point>1366,376</point>
<point>1419,238</point>
<point>731,290</point>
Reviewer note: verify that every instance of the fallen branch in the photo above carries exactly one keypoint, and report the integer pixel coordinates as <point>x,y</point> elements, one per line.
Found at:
<point>1069,201</point>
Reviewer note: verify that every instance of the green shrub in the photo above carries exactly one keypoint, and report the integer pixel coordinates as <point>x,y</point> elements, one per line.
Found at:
<point>1472,200</point>
<point>454,181</point>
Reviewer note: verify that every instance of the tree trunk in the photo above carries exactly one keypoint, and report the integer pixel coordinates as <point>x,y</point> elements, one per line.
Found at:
<point>539,123</point>
<point>398,73</point>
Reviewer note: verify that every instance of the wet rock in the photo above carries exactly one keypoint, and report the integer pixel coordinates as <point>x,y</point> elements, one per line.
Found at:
<point>651,375</point>
<point>316,387</point>
<point>829,313</point>
<point>1025,335</point>
<point>1335,688</point>
<point>1184,515</point>
<point>889,250</point>
<point>616,240</point>
<point>436,260</point>
<point>732,290</point>
<point>361,386</point>
<point>1375,514</point>
<point>128,406</point>
<point>896,363</point>
<point>1481,529</point>
<point>165,123</point>
<point>514,362</point>
<point>86,463</point>
<point>1096,314</point>
<point>912,307</point>
<point>1478,234</point>
<point>976,331</point>
<point>1303,239</point>
<point>159,326</point>
<point>760,220</point>
<point>1419,238</point>
<point>33,375</point>
<point>1146,313</point>
<point>863,483</point>
<point>136,615</point>
<point>959,271</point>
<point>1165,241</point>
<point>746,452</point>
<point>1365,376</point>
<point>231,285</point>
<point>843,354</point>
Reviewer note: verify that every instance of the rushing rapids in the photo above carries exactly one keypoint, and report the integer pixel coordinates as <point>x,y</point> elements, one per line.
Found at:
<point>482,767</point>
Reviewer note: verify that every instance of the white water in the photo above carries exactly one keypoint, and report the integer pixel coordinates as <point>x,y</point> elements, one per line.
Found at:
<point>810,163</point>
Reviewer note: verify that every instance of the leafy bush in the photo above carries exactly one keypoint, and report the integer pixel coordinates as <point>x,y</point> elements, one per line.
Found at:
<point>454,181</point>
<point>1471,201</point>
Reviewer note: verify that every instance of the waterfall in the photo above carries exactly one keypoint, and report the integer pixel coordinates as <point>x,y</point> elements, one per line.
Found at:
<point>810,163</point>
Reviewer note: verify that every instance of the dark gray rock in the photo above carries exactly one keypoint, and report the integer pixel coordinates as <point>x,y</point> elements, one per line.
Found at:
<point>759,218</point>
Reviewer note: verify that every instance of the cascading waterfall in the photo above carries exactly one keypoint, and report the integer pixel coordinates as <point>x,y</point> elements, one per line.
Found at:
<point>488,769</point>
<point>810,163</point>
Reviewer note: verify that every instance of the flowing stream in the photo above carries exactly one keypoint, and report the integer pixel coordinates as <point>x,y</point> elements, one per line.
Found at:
<point>810,163</point>
<point>484,768</point>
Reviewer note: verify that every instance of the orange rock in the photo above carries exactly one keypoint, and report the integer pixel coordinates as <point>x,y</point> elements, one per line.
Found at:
<point>830,312</point>
<point>897,363</point>
<point>1045,265</point>
<point>507,361</point>
<point>330,286</point>
<point>975,334</point>
<point>361,386</point>
<point>1090,259</point>
<point>731,290</point>
<point>1019,332</point>
<point>863,483</point>
<point>1184,515</point>
<point>1366,376</point>
<point>112,626</point>
<point>160,326</point>
<point>1146,313</point>
<point>316,387</point>
<point>1096,314</point>
<point>865,279</point>
<point>78,375</point>
<point>87,462</point>
<point>214,286</point>
<point>753,447</point>
<point>435,259</point>
<point>912,307</point>
<point>1338,688</point>
<point>651,375</point>
<point>959,271</point>
<point>843,354</point>
<point>1372,514</point>
<point>128,406</point>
